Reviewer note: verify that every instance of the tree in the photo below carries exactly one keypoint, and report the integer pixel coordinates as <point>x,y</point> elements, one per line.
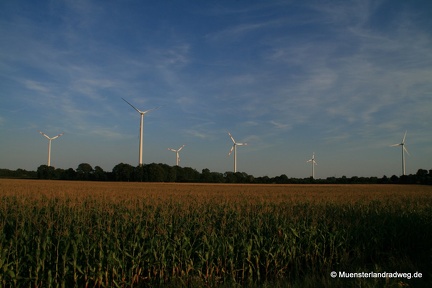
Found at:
<point>206,176</point>
<point>171,174</point>
<point>45,172</point>
<point>217,177</point>
<point>282,179</point>
<point>140,173</point>
<point>99,174</point>
<point>394,179</point>
<point>68,174</point>
<point>384,180</point>
<point>230,177</point>
<point>155,173</point>
<point>84,171</point>
<point>192,175</point>
<point>404,179</point>
<point>123,172</point>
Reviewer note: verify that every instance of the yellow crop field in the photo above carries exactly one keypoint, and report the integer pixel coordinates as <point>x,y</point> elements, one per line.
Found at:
<point>254,193</point>
<point>102,234</point>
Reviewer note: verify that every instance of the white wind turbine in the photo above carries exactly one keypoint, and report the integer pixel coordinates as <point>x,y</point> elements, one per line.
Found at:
<point>49,144</point>
<point>404,149</point>
<point>141,128</point>
<point>313,162</point>
<point>177,154</point>
<point>234,147</point>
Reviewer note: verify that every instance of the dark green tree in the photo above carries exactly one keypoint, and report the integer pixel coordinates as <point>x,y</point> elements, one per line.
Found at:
<point>230,177</point>
<point>99,174</point>
<point>68,174</point>
<point>45,172</point>
<point>123,172</point>
<point>171,174</point>
<point>282,179</point>
<point>206,176</point>
<point>155,173</point>
<point>394,179</point>
<point>84,171</point>
<point>190,175</point>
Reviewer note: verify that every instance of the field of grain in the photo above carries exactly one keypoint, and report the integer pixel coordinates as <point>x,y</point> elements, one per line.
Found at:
<point>99,234</point>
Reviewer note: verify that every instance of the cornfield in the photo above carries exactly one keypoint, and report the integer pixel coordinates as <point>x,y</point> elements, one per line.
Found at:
<point>87,234</point>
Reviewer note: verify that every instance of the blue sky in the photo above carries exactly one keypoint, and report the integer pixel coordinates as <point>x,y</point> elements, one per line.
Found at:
<point>343,79</point>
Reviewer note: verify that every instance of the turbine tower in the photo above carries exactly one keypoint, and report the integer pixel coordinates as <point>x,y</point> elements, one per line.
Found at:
<point>177,154</point>
<point>49,144</point>
<point>404,149</point>
<point>312,160</point>
<point>141,128</point>
<point>234,147</point>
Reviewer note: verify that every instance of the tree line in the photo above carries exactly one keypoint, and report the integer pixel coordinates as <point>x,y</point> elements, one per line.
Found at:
<point>164,173</point>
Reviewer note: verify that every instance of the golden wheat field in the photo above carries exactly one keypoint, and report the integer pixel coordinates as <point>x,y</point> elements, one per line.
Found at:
<point>117,234</point>
<point>184,192</point>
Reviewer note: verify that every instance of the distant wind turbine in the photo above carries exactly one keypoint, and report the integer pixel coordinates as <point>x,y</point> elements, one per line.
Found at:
<point>49,144</point>
<point>404,149</point>
<point>313,162</point>
<point>234,147</point>
<point>177,154</point>
<point>141,128</point>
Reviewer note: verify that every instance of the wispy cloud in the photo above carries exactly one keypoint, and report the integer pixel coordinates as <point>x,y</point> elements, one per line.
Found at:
<point>280,125</point>
<point>198,134</point>
<point>37,86</point>
<point>233,33</point>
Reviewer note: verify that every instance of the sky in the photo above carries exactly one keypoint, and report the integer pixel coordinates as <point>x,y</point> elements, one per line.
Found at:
<point>341,79</point>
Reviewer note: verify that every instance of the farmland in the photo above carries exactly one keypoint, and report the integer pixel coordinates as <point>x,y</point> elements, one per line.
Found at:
<point>102,234</point>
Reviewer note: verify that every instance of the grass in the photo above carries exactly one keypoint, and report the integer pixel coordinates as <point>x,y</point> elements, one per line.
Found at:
<point>88,234</point>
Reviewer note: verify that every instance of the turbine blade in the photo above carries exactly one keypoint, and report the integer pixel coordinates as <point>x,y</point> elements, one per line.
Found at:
<point>145,112</point>
<point>232,148</point>
<point>406,150</point>
<point>232,138</point>
<point>241,144</point>
<point>46,136</point>
<point>55,137</point>
<point>403,140</point>
<point>181,148</point>
<point>132,106</point>
<point>394,145</point>
<point>172,149</point>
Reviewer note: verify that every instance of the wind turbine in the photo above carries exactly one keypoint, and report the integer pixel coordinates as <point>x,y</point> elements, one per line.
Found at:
<point>141,128</point>
<point>404,149</point>
<point>177,154</point>
<point>313,165</point>
<point>234,147</point>
<point>49,144</point>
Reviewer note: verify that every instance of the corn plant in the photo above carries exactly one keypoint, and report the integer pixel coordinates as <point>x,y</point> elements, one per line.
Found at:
<point>203,235</point>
